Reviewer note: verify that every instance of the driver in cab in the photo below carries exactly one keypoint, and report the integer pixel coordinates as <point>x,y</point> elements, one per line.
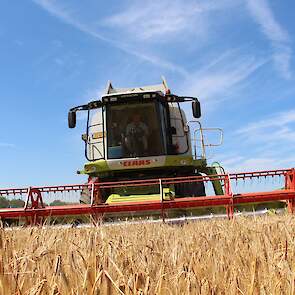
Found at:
<point>137,134</point>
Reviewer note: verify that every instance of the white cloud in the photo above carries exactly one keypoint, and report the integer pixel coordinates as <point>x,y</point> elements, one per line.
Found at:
<point>153,19</point>
<point>271,138</point>
<point>282,59</point>
<point>267,144</point>
<point>219,77</point>
<point>264,144</point>
<point>231,161</point>
<point>274,121</point>
<point>278,36</point>
<point>254,164</point>
<point>266,159</point>
<point>165,19</point>
<point>65,15</point>
<point>259,162</point>
<point>263,15</point>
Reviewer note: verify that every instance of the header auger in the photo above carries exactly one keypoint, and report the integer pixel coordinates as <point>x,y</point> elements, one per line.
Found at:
<point>144,156</point>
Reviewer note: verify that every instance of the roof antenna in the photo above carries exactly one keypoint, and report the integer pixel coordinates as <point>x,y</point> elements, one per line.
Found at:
<point>109,87</point>
<point>165,85</point>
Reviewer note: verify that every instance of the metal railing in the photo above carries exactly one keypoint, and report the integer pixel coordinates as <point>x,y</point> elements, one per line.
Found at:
<point>35,207</point>
<point>198,139</point>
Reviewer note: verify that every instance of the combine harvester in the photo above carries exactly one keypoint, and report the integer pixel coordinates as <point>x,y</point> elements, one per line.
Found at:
<point>144,157</point>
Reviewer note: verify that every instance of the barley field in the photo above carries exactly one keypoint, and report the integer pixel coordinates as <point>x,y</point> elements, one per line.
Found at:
<point>254,255</point>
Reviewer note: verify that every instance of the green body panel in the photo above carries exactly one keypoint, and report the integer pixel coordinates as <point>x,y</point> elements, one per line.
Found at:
<point>217,186</point>
<point>137,190</point>
<point>181,160</point>
<point>102,167</point>
<point>95,168</point>
<point>168,194</point>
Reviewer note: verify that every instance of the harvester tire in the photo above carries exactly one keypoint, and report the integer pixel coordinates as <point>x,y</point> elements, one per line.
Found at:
<point>85,197</point>
<point>190,189</point>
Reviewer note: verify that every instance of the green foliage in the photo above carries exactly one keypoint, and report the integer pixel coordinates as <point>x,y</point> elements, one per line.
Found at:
<point>4,203</point>
<point>58,203</point>
<point>16,203</point>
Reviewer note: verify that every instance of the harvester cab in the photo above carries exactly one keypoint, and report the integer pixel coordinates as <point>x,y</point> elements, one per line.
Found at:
<point>142,133</point>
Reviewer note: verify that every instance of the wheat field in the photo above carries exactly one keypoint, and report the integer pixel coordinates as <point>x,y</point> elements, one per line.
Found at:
<point>254,255</point>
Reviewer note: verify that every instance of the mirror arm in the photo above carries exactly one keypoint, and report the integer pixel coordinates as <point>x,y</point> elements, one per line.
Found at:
<point>79,108</point>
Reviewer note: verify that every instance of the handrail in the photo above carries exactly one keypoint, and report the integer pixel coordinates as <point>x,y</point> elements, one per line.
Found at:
<point>203,144</point>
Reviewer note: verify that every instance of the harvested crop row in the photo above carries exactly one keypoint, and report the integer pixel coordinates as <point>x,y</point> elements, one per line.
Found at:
<point>244,256</point>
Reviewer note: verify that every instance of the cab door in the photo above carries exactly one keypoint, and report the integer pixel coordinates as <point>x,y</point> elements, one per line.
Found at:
<point>180,135</point>
<point>95,136</point>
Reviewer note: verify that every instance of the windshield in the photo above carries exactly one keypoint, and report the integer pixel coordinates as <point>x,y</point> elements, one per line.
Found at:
<point>134,130</point>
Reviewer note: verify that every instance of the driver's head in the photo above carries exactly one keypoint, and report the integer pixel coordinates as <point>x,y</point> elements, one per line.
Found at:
<point>136,118</point>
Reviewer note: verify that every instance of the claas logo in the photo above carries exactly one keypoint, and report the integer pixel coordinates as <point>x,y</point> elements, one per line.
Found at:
<point>136,163</point>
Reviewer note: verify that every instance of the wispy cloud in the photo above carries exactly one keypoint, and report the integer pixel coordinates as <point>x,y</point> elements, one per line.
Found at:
<point>143,21</point>
<point>267,143</point>
<point>164,20</point>
<point>260,162</point>
<point>140,19</point>
<point>274,121</point>
<point>278,36</point>
<point>264,136</point>
<point>64,15</point>
<point>266,159</point>
<point>215,80</point>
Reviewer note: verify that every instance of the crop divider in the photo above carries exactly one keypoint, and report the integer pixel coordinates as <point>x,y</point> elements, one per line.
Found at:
<point>290,185</point>
<point>162,200</point>
<point>34,202</point>
<point>228,193</point>
<point>96,199</point>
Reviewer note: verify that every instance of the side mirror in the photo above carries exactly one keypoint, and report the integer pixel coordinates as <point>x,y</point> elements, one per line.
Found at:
<point>72,119</point>
<point>196,107</point>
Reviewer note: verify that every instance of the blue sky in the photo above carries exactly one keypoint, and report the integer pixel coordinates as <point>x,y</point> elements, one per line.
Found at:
<point>237,56</point>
